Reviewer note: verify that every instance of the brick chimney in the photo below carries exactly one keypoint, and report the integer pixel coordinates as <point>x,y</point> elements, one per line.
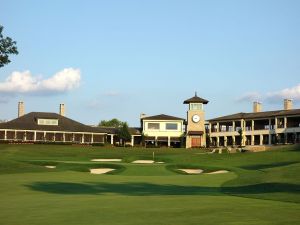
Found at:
<point>288,104</point>
<point>21,109</point>
<point>62,109</point>
<point>257,107</point>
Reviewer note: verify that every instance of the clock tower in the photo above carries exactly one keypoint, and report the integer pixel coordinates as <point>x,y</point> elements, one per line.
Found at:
<point>195,127</point>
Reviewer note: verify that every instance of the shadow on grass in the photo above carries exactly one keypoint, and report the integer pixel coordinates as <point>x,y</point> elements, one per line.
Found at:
<point>147,189</point>
<point>266,166</point>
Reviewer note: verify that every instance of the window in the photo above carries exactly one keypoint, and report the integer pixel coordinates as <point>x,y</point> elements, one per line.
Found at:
<point>50,122</point>
<point>196,106</point>
<point>153,126</point>
<point>171,126</point>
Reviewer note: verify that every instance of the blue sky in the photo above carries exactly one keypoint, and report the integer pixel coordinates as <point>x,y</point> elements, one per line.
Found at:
<point>117,59</point>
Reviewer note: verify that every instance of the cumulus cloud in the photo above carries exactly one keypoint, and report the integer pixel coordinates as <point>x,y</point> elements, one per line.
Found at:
<point>250,96</point>
<point>25,83</point>
<point>293,93</point>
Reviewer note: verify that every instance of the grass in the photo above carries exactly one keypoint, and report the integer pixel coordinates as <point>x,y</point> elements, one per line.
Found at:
<point>261,188</point>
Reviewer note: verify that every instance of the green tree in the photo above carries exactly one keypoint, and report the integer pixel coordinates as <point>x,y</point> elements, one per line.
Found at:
<point>7,47</point>
<point>124,134</point>
<point>241,136</point>
<point>111,123</point>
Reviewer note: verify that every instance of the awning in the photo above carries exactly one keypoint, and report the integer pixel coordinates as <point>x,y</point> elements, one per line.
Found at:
<point>195,133</point>
<point>149,138</point>
<point>175,139</point>
<point>162,138</point>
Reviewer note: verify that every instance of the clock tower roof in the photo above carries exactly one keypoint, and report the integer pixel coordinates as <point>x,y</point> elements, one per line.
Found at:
<point>195,99</point>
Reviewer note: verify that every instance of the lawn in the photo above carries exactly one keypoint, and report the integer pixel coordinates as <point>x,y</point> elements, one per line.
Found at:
<point>261,188</point>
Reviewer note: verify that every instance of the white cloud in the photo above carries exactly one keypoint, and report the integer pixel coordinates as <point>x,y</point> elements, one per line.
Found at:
<point>24,82</point>
<point>249,97</point>
<point>293,93</point>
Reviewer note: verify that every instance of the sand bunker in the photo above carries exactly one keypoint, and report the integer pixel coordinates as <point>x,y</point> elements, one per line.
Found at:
<point>101,171</point>
<point>199,171</point>
<point>143,161</point>
<point>50,167</point>
<point>218,172</point>
<point>192,171</point>
<point>106,160</point>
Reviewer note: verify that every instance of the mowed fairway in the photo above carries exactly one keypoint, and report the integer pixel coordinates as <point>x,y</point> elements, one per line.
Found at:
<point>261,188</point>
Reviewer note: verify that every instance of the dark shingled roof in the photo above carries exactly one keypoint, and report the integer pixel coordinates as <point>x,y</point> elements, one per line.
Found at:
<point>195,99</point>
<point>29,122</point>
<point>258,115</point>
<point>162,117</point>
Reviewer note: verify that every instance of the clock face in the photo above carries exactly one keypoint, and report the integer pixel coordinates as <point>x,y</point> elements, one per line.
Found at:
<point>196,118</point>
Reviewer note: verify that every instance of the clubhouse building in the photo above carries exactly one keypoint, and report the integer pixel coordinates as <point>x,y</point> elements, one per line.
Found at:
<point>49,127</point>
<point>256,128</point>
<point>245,129</point>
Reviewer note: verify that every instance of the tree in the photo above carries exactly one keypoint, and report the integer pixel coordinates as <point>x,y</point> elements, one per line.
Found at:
<point>124,134</point>
<point>241,136</point>
<point>7,47</point>
<point>111,123</point>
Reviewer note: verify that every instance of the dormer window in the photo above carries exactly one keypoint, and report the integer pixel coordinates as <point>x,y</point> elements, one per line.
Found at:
<point>48,122</point>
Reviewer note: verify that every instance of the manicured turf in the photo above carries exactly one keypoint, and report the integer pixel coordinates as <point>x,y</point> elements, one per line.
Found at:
<point>261,188</point>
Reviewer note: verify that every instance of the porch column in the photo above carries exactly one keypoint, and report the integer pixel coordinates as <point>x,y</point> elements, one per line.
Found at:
<point>5,134</point>
<point>92,139</point>
<point>243,141</point>
<point>111,139</point>
<point>285,122</point>
<point>252,139</point>
<point>44,135</point>
<point>64,137</point>
<point>82,138</point>
<point>218,141</point>
<point>54,138</point>
<point>252,125</point>
<point>233,126</point>
<point>15,136</point>
<point>270,124</point>
<point>261,139</point>
<point>24,137</point>
<point>132,140</point>
<point>218,128</point>
<point>225,141</point>
<point>233,140</point>
<point>73,137</point>
<point>34,136</point>
<point>169,141</point>
<point>276,124</point>
<point>156,143</point>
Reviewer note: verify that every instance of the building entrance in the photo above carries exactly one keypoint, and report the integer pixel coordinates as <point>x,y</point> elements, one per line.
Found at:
<point>196,142</point>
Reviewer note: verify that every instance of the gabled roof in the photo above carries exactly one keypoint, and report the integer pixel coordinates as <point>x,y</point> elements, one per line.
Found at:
<point>195,99</point>
<point>162,117</point>
<point>29,122</point>
<point>257,115</point>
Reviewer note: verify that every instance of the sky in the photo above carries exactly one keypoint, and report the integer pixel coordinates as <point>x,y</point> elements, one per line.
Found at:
<point>121,58</point>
